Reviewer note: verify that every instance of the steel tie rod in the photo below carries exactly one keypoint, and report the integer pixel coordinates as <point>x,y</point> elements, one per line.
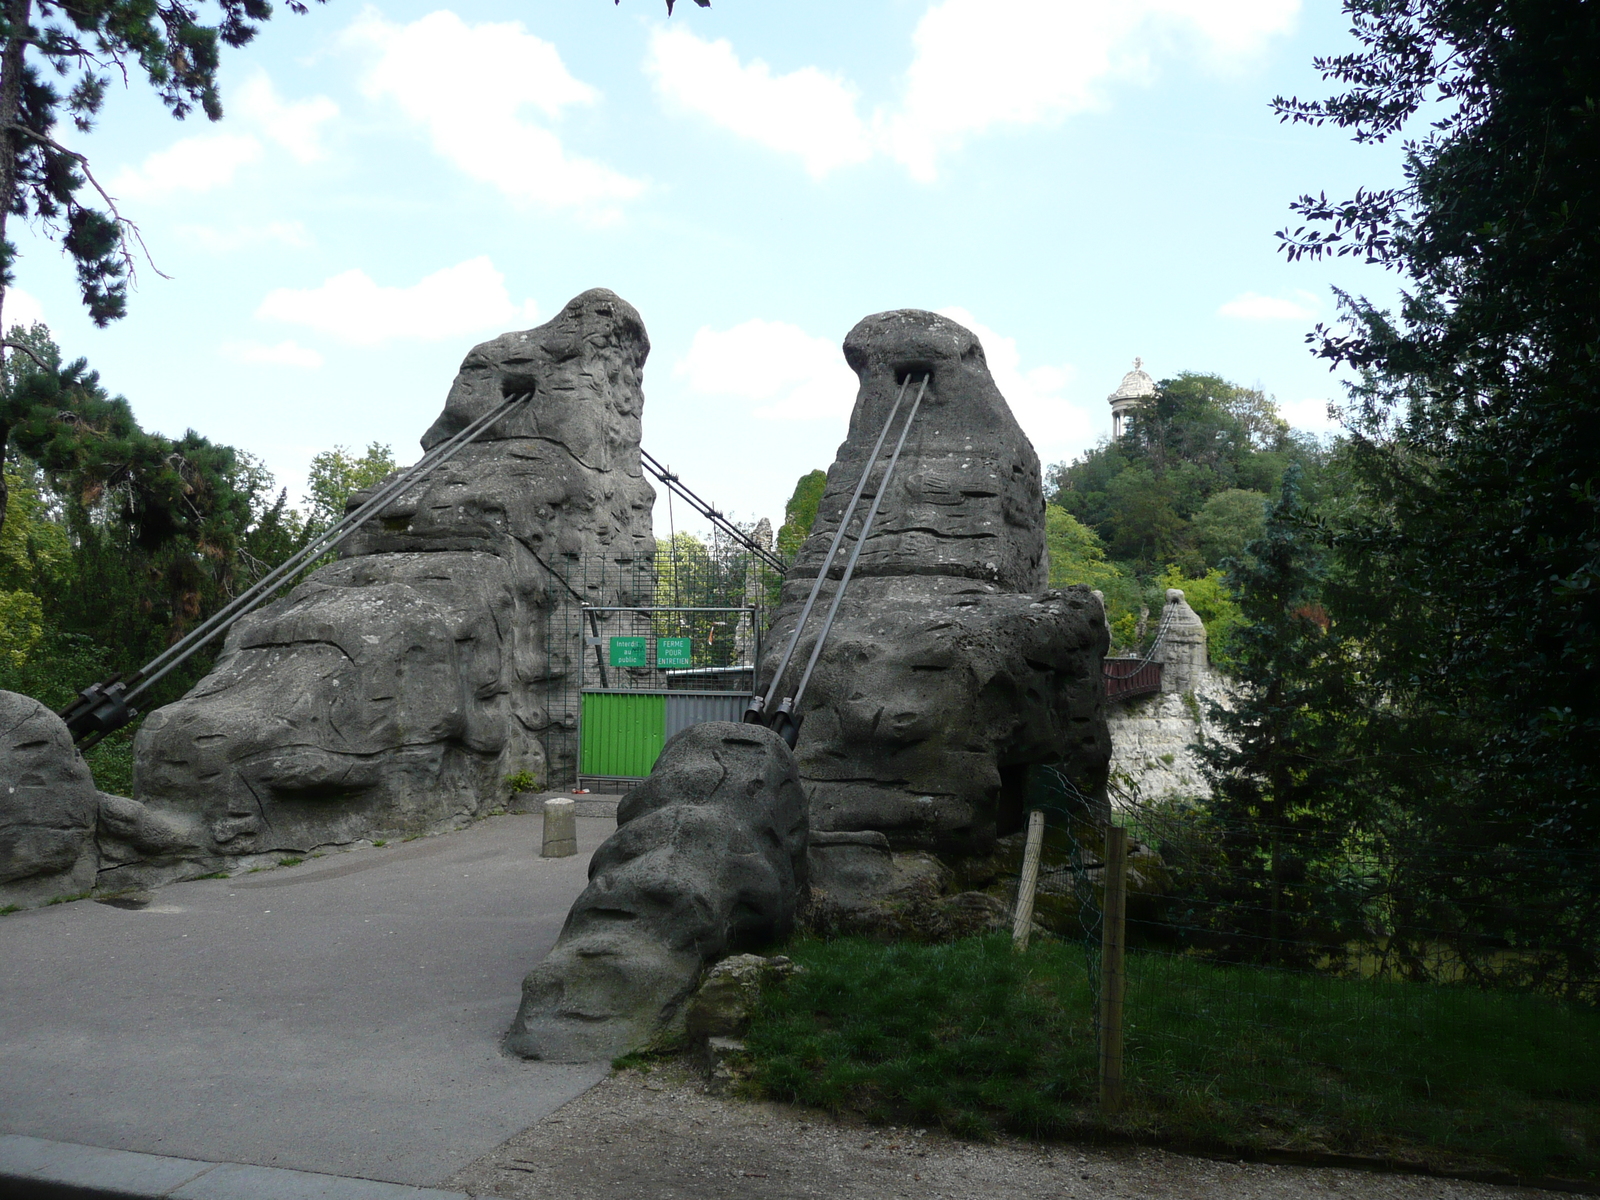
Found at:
<point>759,705</point>
<point>116,693</point>
<point>793,704</point>
<point>706,510</point>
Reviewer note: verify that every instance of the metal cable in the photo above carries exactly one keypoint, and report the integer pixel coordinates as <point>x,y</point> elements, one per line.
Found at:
<point>175,654</point>
<point>1150,654</point>
<point>855,553</point>
<point>653,465</point>
<point>833,548</point>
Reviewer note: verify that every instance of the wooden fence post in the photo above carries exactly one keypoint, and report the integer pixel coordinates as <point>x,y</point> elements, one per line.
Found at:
<point>1022,923</point>
<point>1113,980</point>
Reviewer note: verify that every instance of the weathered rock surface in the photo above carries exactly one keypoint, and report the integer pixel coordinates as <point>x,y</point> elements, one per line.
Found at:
<point>966,501</point>
<point>949,669</point>
<point>709,857</point>
<point>727,997</point>
<point>48,807</point>
<point>395,689</point>
<point>1153,738</point>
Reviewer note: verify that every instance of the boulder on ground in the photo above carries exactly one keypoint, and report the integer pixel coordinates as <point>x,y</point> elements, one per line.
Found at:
<point>48,807</point>
<point>709,857</point>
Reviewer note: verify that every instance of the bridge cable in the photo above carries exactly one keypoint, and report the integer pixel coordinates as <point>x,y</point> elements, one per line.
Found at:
<point>706,510</point>
<point>785,719</point>
<point>103,708</point>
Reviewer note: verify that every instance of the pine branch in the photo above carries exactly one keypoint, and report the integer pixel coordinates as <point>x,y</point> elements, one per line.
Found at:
<point>29,351</point>
<point>124,226</point>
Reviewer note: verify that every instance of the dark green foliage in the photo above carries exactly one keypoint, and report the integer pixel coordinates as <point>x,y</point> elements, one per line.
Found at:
<point>1469,555</point>
<point>116,540</point>
<point>1152,496</point>
<point>975,1037</point>
<point>84,45</point>
<point>1277,778</point>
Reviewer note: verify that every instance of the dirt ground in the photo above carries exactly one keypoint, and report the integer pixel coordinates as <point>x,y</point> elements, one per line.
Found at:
<point>661,1136</point>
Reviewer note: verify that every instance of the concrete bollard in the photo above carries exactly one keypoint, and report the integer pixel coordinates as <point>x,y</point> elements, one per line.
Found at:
<point>560,828</point>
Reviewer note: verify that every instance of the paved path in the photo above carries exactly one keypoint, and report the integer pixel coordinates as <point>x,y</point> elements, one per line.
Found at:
<point>340,1016</point>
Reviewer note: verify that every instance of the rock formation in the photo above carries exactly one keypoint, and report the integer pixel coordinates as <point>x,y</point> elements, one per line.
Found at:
<point>48,807</point>
<point>709,857</point>
<point>950,669</point>
<point>394,690</point>
<point>1154,737</point>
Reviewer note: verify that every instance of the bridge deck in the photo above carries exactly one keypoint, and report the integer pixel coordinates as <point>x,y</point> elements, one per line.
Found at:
<point>1126,678</point>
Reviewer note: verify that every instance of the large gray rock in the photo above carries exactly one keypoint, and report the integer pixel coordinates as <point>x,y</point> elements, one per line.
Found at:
<point>966,501</point>
<point>949,670</point>
<point>396,688</point>
<point>709,857</point>
<point>48,807</point>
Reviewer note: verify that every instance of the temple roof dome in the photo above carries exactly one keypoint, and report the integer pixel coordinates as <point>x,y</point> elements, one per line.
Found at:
<point>1135,385</point>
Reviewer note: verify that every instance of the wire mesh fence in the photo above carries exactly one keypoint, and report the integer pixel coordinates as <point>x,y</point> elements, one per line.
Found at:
<point>642,648</point>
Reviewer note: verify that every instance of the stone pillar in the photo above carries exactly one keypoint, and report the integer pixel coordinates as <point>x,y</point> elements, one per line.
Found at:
<point>1182,653</point>
<point>744,647</point>
<point>560,828</point>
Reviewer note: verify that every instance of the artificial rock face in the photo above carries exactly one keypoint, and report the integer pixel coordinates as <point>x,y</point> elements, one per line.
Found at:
<point>709,858</point>
<point>48,807</point>
<point>949,669</point>
<point>395,689</point>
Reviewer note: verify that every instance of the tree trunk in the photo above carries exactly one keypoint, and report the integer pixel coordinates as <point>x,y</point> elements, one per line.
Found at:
<point>11,68</point>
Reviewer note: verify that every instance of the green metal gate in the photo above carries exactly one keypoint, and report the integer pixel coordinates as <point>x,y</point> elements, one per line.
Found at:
<point>622,733</point>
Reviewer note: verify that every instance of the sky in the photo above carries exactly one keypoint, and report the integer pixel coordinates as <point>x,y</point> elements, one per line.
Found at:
<point>1077,182</point>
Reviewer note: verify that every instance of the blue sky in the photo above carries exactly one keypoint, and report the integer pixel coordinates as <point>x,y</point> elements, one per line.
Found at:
<point>1078,182</point>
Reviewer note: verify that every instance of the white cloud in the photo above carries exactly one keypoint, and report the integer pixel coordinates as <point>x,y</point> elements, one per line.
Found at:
<point>470,88</point>
<point>1056,425</point>
<point>284,354</point>
<point>806,112</point>
<point>22,309</point>
<point>780,367</point>
<point>1251,306</point>
<point>467,298</point>
<point>194,164</point>
<point>986,63</point>
<point>1310,414</point>
<point>285,233</point>
<point>977,65</point>
<point>296,126</point>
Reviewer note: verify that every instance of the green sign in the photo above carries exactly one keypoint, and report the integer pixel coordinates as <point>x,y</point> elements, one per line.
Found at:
<point>630,652</point>
<point>673,652</point>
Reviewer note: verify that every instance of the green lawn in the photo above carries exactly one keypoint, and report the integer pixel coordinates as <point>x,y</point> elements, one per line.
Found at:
<point>975,1037</point>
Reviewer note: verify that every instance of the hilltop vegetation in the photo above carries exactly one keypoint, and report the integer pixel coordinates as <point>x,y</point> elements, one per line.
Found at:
<point>1174,501</point>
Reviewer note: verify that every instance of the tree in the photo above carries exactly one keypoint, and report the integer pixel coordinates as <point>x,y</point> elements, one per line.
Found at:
<point>84,45</point>
<point>1474,424</point>
<point>800,513</point>
<point>1281,800</point>
<point>1199,436</point>
<point>1227,522</point>
<point>336,475</point>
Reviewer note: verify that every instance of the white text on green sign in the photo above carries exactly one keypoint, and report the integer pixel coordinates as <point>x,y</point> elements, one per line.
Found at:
<point>673,652</point>
<point>630,652</point>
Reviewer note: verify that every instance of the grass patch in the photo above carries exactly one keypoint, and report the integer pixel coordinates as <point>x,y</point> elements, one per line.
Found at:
<point>290,862</point>
<point>381,842</point>
<point>213,875</point>
<point>976,1038</point>
<point>9,909</point>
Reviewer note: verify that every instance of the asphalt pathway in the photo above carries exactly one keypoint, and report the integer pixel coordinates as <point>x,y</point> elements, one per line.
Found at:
<point>340,1016</point>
